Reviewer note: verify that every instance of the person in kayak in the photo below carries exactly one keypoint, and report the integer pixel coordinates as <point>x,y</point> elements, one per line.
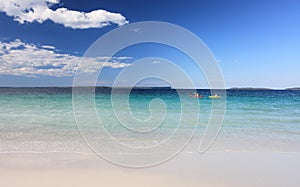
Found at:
<point>196,95</point>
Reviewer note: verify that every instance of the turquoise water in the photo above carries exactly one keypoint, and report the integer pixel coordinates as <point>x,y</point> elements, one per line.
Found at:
<point>42,120</point>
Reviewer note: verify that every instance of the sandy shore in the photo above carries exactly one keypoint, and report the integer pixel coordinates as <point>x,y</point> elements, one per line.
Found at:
<point>210,169</point>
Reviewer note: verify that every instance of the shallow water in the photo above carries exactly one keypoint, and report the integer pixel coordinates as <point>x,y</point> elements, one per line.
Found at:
<point>42,120</point>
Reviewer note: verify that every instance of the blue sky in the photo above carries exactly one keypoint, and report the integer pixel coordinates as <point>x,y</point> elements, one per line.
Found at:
<point>256,42</point>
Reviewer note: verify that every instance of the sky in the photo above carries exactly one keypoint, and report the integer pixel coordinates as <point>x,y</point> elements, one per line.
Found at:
<point>256,43</point>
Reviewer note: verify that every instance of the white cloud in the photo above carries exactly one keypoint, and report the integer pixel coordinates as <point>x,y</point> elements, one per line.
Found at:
<point>156,62</point>
<point>19,58</point>
<point>48,47</point>
<point>40,11</point>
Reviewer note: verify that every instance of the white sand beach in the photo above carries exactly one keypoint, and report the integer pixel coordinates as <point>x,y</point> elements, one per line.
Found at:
<point>210,170</point>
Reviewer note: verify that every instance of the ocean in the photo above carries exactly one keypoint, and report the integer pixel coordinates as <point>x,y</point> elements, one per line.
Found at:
<point>39,120</point>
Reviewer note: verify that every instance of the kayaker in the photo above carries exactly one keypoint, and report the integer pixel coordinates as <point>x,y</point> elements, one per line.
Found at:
<point>196,95</point>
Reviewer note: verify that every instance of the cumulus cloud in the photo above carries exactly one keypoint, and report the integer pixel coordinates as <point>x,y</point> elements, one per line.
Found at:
<point>40,11</point>
<point>20,58</point>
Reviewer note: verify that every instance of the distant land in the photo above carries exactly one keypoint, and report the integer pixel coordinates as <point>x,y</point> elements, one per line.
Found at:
<point>295,88</point>
<point>145,87</point>
<point>249,88</point>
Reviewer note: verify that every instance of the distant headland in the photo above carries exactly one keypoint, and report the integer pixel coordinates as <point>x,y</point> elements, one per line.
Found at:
<point>249,88</point>
<point>149,88</point>
<point>295,88</point>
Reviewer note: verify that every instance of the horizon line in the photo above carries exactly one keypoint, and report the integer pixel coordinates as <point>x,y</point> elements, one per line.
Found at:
<point>164,87</point>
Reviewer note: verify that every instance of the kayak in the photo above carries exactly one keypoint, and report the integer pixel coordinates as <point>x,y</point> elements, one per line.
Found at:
<point>214,96</point>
